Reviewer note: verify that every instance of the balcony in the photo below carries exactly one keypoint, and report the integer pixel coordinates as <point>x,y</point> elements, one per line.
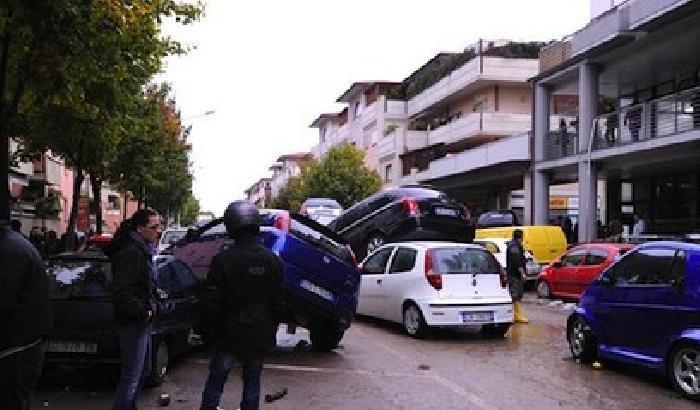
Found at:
<point>386,147</point>
<point>641,11</point>
<point>467,78</point>
<point>369,113</point>
<point>394,109</point>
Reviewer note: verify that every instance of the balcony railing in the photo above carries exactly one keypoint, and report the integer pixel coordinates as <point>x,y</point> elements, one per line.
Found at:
<point>489,123</point>
<point>386,147</point>
<point>369,113</point>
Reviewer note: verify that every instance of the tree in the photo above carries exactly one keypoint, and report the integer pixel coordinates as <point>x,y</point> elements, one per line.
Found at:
<point>190,210</point>
<point>340,175</point>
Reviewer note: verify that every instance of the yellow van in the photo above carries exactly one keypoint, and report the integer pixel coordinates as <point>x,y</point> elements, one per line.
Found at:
<point>544,241</point>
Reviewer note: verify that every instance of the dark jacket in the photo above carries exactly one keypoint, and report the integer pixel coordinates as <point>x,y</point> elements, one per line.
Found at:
<point>25,307</point>
<point>133,291</point>
<point>245,299</point>
<point>515,259</point>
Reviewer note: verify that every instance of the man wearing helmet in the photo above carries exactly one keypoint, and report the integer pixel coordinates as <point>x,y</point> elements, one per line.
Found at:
<point>245,306</point>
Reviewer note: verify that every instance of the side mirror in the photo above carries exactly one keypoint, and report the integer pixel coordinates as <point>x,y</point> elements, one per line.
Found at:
<point>557,264</point>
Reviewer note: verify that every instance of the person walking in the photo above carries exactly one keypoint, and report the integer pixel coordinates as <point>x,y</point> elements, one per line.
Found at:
<point>615,230</point>
<point>638,228</point>
<point>245,306</point>
<point>133,296</point>
<point>25,318</point>
<point>515,269</point>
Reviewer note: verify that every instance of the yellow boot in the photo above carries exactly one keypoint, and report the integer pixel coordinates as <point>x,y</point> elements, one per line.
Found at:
<point>519,317</point>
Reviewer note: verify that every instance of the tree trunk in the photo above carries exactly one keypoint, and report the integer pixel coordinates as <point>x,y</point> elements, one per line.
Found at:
<point>77,183</point>
<point>96,185</point>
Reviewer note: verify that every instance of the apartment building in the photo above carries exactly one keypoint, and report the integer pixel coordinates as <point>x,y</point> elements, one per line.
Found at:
<point>617,109</point>
<point>287,166</point>
<point>260,192</point>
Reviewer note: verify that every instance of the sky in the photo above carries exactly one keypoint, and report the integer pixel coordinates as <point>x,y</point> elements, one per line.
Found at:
<point>268,68</point>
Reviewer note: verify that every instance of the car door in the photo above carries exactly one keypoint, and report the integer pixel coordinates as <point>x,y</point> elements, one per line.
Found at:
<point>563,282</point>
<point>399,283</point>
<point>594,262</point>
<point>371,282</point>
<point>639,307</point>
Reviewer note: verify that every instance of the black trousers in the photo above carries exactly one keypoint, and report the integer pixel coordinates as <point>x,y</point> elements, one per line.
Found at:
<point>19,374</point>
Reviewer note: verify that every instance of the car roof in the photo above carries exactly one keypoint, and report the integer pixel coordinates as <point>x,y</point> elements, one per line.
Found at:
<point>435,244</point>
<point>687,246</point>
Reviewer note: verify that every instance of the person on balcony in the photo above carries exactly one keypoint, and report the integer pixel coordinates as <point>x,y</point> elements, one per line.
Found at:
<point>563,137</point>
<point>611,123</point>
<point>633,119</point>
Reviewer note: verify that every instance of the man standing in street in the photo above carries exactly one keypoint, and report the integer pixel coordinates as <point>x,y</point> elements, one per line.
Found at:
<point>133,296</point>
<point>25,318</point>
<point>638,228</point>
<point>245,285</point>
<point>515,268</point>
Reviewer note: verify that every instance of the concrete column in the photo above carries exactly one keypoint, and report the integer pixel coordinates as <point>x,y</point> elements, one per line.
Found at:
<point>527,199</point>
<point>541,121</point>
<point>540,198</point>
<point>587,175</point>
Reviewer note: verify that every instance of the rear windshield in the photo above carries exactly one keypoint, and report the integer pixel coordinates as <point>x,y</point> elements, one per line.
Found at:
<point>317,234</point>
<point>419,193</point>
<point>170,237</point>
<point>328,203</point>
<point>495,219</point>
<point>464,261</point>
<point>76,279</point>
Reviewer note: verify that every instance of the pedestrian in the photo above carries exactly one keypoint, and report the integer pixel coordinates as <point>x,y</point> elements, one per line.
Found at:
<point>633,119</point>
<point>51,245</point>
<point>568,230</point>
<point>638,228</point>
<point>611,122</point>
<point>245,305</point>
<point>133,296</point>
<point>25,318</point>
<point>615,230</point>
<point>563,137</point>
<point>515,269</point>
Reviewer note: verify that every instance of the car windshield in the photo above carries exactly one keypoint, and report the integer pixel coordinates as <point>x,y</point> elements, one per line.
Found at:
<point>320,202</point>
<point>170,237</point>
<point>456,260</point>
<point>76,278</point>
<point>420,193</point>
<point>496,219</point>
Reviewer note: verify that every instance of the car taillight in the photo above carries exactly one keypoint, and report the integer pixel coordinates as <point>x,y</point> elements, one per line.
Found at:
<point>410,205</point>
<point>282,221</point>
<point>504,279</point>
<point>434,278</point>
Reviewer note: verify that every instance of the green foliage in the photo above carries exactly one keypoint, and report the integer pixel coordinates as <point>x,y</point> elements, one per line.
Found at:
<point>340,175</point>
<point>189,211</point>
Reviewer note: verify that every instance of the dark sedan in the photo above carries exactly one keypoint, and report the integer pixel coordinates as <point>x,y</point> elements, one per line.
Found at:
<point>83,333</point>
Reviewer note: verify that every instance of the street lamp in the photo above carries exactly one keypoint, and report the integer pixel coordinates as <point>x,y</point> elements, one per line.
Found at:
<point>204,114</point>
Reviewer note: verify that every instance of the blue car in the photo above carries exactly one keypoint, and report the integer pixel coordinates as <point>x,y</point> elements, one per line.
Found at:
<point>321,279</point>
<point>645,310</point>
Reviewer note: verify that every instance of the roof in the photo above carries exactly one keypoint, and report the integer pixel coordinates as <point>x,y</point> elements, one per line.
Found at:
<point>360,87</point>
<point>323,118</point>
<point>298,155</point>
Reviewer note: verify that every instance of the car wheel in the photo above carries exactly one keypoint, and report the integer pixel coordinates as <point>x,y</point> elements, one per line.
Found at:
<point>684,370</point>
<point>582,341</point>
<point>160,361</point>
<point>373,242</point>
<point>495,331</point>
<point>325,336</point>
<point>413,321</point>
<point>543,291</point>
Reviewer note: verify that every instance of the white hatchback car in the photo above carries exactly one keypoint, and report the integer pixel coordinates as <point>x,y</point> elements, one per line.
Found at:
<point>436,284</point>
<point>498,246</point>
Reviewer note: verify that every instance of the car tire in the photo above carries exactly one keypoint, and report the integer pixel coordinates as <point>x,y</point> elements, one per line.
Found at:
<point>495,331</point>
<point>683,363</point>
<point>374,241</point>
<point>160,362</point>
<point>543,291</point>
<point>582,341</point>
<point>325,336</point>
<point>413,321</point>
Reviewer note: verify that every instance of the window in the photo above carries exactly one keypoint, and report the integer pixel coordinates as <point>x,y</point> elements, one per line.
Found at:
<point>596,256</point>
<point>645,267</point>
<point>376,263</point>
<point>489,246</point>
<point>464,261</point>
<point>358,109</point>
<point>387,173</point>
<point>183,274</point>
<point>322,134</point>
<point>404,260</point>
<point>70,279</point>
<point>573,258</point>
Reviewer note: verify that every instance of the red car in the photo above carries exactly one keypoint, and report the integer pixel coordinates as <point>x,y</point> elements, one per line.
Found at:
<point>571,273</point>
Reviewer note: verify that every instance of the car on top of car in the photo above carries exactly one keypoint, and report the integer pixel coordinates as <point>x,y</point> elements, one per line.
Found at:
<point>424,285</point>
<point>645,310</point>
<point>320,275</point>
<point>409,212</point>
<point>569,275</point>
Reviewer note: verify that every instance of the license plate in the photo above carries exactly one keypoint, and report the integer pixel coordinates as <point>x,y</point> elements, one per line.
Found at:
<point>71,347</point>
<point>476,317</point>
<point>446,212</point>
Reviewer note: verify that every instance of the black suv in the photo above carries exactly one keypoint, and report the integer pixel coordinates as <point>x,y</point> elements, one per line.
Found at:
<point>413,212</point>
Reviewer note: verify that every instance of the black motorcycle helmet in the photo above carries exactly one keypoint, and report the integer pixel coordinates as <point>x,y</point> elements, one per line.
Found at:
<point>241,218</point>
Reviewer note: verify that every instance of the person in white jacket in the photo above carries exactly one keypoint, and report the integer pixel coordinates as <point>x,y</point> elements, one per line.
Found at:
<point>638,227</point>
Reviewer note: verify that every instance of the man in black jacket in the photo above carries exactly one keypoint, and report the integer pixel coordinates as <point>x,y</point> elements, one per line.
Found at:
<point>515,268</point>
<point>25,318</point>
<point>245,285</point>
<point>133,295</point>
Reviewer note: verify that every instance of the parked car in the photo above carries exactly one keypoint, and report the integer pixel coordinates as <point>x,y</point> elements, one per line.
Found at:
<point>544,241</point>
<point>494,219</point>
<point>401,214</point>
<point>570,274</point>
<point>169,237</point>
<point>645,310</point>
<point>321,279</point>
<point>498,246</point>
<point>436,284</point>
<point>321,210</point>
<point>84,333</point>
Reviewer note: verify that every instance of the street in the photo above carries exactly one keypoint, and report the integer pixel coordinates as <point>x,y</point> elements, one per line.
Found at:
<point>378,367</point>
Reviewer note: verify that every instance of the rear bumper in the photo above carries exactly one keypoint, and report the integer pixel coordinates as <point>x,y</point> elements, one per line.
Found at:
<point>443,314</point>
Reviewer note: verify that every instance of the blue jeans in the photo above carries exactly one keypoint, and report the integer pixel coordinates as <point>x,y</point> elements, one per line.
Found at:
<point>135,349</point>
<point>219,368</point>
